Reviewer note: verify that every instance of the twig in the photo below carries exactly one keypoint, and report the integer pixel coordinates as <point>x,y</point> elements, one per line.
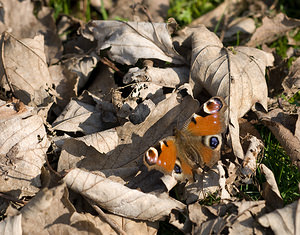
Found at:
<point>108,220</point>
<point>51,169</point>
<point>111,65</point>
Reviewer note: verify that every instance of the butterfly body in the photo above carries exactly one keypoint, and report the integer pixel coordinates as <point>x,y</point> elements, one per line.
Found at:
<point>196,145</point>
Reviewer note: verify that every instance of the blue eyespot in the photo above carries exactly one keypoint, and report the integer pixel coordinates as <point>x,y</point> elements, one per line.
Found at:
<point>213,142</point>
<point>177,169</point>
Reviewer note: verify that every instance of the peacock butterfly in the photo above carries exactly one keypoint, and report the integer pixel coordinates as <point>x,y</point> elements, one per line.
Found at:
<point>196,145</point>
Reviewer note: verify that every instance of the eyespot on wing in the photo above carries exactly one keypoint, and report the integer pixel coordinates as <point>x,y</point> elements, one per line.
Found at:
<point>162,157</point>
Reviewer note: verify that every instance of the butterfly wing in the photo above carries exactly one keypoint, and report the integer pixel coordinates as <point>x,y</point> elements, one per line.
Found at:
<point>210,118</point>
<point>162,156</point>
<point>200,140</point>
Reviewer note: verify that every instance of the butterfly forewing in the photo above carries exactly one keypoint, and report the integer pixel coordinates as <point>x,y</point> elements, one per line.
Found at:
<point>162,156</point>
<point>210,119</point>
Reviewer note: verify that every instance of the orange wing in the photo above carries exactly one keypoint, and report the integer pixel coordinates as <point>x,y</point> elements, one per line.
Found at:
<point>162,156</point>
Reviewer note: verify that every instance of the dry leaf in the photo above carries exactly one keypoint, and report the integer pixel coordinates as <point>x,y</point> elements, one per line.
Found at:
<point>141,112</point>
<point>103,83</point>
<point>297,126</point>
<point>144,90</point>
<point>23,20</point>
<point>228,7</point>
<point>47,208</point>
<point>79,116</point>
<point>77,154</point>
<point>246,220</point>
<point>207,183</point>
<point>291,83</point>
<point>272,29</point>
<point>237,74</point>
<point>86,114</point>
<point>89,224</point>
<point>26,72</point>
<point>119,199</point>
<point>82,66</point>
<point>50,212</point>
<point>154,11</point>
<point>270,189</point>
<point>283,221</point>
<point>64,82</point>
<point>23,146</point>
<point>130,41</point>
<point>103,142</point>
<point>168,77</point>
<point>128,226</point>
<point>249,164</point>
<point>238,217</point>
<point>285,137</point>
<point>240,26</point>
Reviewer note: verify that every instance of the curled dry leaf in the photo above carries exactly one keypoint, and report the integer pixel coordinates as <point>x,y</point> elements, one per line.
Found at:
<point>270,189</point>
<point>272,29</point>
<point>285,137</point>
<point>249,165</point>
<point>168,77</point>
<point>119,199</point>
<point>130,41</point>
<point>11,225</point>
<point>283,221</point>
<point>222,182</point>
<point>82,66</point>
<point>24,70</point>
<point>291,83</point>
<point>297,126</point>
<point>237,74</point>
<point>23,146</point>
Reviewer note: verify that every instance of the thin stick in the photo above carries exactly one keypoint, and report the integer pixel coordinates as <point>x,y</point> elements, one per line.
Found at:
<point>110,221</point>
